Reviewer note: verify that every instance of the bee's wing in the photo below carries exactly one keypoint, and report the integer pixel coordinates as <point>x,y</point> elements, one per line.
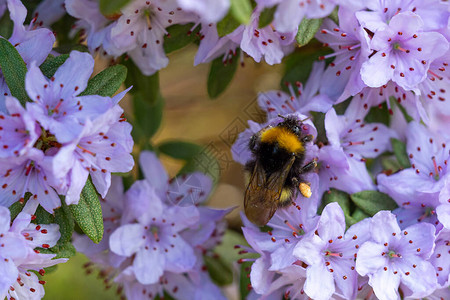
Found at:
<point>263,194</point>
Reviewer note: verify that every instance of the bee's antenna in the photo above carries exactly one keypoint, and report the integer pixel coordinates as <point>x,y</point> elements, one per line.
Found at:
<point>281,116</point>
<point>306,119</point>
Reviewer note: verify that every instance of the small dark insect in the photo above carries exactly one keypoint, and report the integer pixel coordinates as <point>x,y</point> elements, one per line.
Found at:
<point>275,171</point>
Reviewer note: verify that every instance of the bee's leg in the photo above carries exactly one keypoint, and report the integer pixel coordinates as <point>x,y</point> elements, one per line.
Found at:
<point>308,167</point>
<point>307,138</point>
<point>303,187</point>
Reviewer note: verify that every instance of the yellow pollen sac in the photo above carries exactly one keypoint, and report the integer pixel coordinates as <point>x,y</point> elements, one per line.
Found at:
<point>305,189</point>
<point>285,139</point>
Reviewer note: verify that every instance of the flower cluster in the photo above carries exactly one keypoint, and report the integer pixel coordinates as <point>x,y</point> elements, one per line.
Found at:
<point>390,55</point>
<point>160,225</point>
<point>51,147</point>
<point>20,256</point>
<point>309,256</point>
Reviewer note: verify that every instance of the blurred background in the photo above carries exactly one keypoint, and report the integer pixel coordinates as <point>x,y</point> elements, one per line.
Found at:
<point>188,115</point>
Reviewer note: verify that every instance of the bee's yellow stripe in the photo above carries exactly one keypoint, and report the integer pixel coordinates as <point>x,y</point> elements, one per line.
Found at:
<point>285,139</point>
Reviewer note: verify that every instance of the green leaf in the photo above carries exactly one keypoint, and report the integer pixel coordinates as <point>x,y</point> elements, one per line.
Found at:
<point>88,213</point>
<point>179,36</point>
<point>17,207</point>
<point>407,117</point>
<point>359,215</point>
<point>107,82</point>
<point>227,25</point>
<point>146,86</point>
<point>52,63</point>
<point>241,10</point>
<point>179,149</point>
<point>220,75</point>
<point>219,271</point>
<point>111,7</point>
<point>378,115</point>
<point>14,69</point>
<point>6,25</point>
<point>43,216</point>
<point>64,218</point>
<point>371,202</point>
<point>64,250</point>
<point>67,48</point>
<point>390,165</point>
<point>266,16</point>
<point>147,118</point>
<point>399,149</point>
<point>306,30</point>
<point>342,198</point>
<point>244,280</point>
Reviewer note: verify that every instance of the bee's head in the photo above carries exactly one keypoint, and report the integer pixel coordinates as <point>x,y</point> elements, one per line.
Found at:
<point>293,124</point>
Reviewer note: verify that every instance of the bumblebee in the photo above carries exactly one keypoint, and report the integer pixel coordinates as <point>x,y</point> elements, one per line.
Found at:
<point>275,172</point>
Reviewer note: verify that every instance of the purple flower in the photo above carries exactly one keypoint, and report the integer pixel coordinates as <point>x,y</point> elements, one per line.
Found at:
<point>32,172</point>
<point>96,27</point>
<point>103,147</point>
<point>351,48</point>
<point>266,42</point>
<point>434,13</point>
<point>440,258</point>
<point>357,138</point>
<point>155,239</point>
<point>19,131</point>
<point>393,257</point>
<point>420,188</point>
<point>141,28</point>
<point>290,13</point>
<point>279,102</point>
<point>178,286</point>
<point>185,190</point>
<point>337,170</point>
<point>57,104</point>
<point>151,226</point>
<point>404,52</point>
<point>377,96</point>
<point>330,255</point>
<point>32,45</point>
<point>209,12</point>
<point>211,46</point>
<point>48,12</point>
<point>18,257</point>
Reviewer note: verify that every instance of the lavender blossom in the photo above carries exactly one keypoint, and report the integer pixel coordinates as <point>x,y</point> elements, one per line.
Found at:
<point>141,28</point>
<point>404,52</point>
<point>290,13</point>
<point>32,44</point>
<point>393,257</point>
<point>418,190</point>
<point>330,255</point>
<point>351,48</point>
<point>279,102</point>
<point>266,42</point>
<point>18,256</point>
<point>209,12</point>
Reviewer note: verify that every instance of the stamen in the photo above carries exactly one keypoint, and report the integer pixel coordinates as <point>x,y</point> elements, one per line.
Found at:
<point>328,253</point>
<point>435,75</point>
<point>86,150</point>
<point>436,169</point>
